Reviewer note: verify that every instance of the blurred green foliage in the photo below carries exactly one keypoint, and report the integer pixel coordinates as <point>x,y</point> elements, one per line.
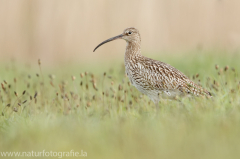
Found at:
<point>79,107</point>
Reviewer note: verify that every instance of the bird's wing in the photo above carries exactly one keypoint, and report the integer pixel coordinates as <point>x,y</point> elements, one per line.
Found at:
<point>165,77</point>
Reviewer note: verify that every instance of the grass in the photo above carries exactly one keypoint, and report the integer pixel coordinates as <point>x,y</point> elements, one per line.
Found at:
<point>96,110</point>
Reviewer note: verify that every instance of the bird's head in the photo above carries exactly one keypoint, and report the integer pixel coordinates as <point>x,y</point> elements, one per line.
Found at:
<point>129,34</point>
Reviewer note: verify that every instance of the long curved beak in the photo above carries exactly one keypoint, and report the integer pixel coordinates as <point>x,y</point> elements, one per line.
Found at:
<point>108,40</point>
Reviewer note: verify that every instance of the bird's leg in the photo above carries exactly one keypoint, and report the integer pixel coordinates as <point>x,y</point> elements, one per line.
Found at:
<point>156,102</point>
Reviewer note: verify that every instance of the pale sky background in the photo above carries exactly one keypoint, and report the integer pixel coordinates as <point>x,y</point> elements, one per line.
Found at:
<point>60,30</point>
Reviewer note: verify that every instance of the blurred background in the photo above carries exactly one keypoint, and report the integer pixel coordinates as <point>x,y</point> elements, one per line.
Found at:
<point>60,31</point>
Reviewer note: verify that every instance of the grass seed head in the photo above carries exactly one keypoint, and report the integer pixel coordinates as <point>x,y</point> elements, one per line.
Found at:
<point>73,78</point>
<point>66,96</point>
<point>35,95</point>
<point>15,109</point>
<point>95,86</point>
<point>120,87</point>
<point>130,102</point>
<point>51,83</point>
<point>5,81</point>
<point>87,86</point>
<point>23,92</point>
<point>39,62</point>
<point>81,75</point>
<point>15,93</point>
<point>3,86</point>
<point>89,104</point>
<point>107,94</point>
<point>216,67</point>
<point>226,68</point>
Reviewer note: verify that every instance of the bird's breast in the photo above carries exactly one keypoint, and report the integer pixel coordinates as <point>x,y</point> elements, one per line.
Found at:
<point>137,76</point>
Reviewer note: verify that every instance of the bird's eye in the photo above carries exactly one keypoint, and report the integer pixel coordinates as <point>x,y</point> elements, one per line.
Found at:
<point>129,32</point>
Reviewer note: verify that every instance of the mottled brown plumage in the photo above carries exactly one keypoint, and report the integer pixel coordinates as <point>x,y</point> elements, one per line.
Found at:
<point>154,78</point>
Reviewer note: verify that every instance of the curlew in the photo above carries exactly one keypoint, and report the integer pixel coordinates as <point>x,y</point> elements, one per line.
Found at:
<point>154,78</point>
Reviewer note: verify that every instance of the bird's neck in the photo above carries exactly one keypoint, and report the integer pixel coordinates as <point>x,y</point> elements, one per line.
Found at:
<point>133,49</point>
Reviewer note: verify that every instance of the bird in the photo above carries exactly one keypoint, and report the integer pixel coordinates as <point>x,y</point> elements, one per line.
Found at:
<point>156,79</point>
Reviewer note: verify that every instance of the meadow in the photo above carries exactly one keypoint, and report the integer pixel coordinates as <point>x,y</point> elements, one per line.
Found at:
<point>93,108</point>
